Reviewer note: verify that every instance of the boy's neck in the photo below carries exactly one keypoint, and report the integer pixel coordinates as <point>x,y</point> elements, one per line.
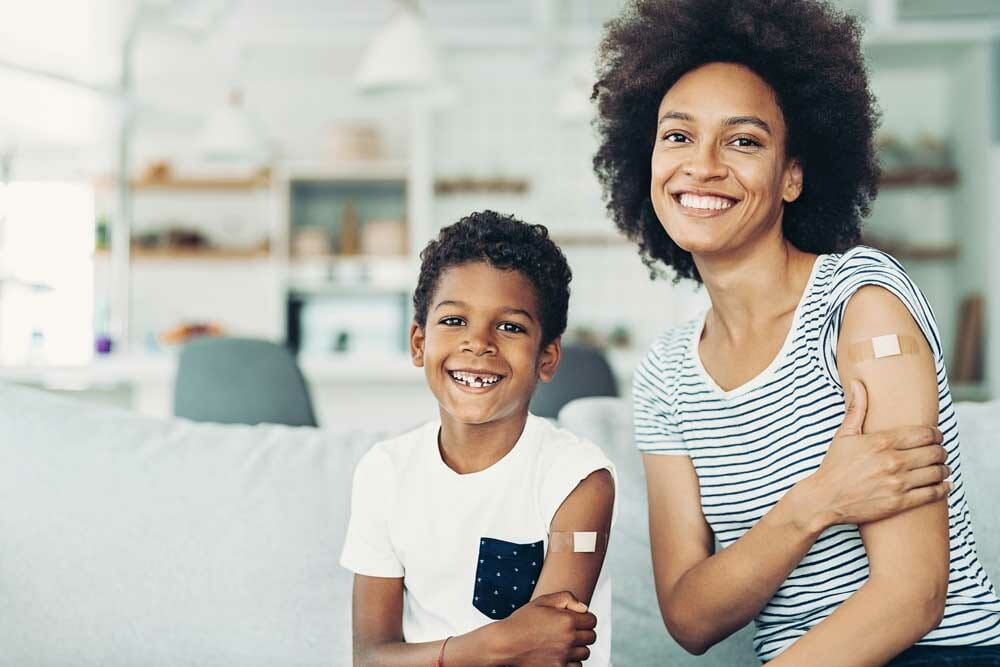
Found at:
<point>469,448</point>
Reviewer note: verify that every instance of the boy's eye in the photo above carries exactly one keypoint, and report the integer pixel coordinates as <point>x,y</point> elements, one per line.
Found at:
<point>452,321</point>
<point>510,327</point>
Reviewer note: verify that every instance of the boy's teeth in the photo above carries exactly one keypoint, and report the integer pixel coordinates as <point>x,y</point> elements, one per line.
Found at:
<point>697,201</point>
<point>475,379</point>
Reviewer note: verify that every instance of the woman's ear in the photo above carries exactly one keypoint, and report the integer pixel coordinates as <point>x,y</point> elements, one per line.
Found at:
<point>548,360</point>
<point>793,181</point>
<point>417,345</point>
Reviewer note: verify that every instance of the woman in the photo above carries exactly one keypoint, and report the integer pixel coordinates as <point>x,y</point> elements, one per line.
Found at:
<point>737,149</point>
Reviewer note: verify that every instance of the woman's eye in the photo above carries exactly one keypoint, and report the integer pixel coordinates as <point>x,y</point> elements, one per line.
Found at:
<point>746,142</point>
<point>510,327</point>
<point>674,138</point>
<point>452,321</point>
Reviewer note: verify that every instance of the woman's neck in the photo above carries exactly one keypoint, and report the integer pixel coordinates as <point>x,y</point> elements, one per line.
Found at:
<point>468,448</point>
<point>751,288</point>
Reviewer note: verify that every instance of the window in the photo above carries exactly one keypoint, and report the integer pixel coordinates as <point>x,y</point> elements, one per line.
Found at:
<point>46,273</point>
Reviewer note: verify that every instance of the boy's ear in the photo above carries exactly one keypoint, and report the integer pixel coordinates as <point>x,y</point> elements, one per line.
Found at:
<point>417,345</point>
<point>548,360</point>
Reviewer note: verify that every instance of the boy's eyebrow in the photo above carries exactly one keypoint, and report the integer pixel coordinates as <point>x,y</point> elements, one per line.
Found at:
<point>462,304</point>
<point>732,120</point>
<point>519,311</point>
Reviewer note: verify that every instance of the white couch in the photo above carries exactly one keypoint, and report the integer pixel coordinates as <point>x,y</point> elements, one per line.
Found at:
<point>132,541</point>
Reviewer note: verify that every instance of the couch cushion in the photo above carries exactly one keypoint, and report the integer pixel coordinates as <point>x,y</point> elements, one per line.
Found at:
<point>126,540</point>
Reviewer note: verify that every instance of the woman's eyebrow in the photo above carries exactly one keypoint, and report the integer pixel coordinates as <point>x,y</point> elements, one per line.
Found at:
<point>729,122</point>
<point>747,120</point>
<point>674,115</point>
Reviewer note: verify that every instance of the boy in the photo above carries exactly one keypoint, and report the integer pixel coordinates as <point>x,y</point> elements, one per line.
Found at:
<point>478,539</point>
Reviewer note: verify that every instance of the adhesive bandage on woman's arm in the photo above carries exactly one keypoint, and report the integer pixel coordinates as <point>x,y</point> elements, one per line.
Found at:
<point>880,347</point>
<point>571,541</point>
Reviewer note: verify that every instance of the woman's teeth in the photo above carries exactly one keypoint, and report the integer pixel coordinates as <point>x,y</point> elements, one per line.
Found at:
<point>475,379</point>
<point>705,202</point>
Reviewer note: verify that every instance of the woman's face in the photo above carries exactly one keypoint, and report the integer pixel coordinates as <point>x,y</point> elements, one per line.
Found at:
<point>719,172</point>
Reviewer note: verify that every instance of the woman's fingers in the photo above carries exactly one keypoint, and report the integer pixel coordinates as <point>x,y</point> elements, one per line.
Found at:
<point>925,495</point>
<point>923,457</point>
<point>909,437</point>
<point>927,476</point>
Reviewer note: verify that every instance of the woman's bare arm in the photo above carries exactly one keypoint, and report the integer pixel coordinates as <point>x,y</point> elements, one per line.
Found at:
<point>908,552</point>
<point>705,597</point>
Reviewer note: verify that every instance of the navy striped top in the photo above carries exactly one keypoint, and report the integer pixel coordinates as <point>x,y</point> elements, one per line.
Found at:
<point>751,444</point>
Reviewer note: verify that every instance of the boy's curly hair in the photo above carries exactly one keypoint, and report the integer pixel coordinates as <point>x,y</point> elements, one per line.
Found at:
<point>810,55</point>
<point>509,245</point>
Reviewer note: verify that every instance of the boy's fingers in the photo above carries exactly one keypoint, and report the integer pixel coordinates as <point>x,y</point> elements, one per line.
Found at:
<point>584,621</point>
<point>585,637</point>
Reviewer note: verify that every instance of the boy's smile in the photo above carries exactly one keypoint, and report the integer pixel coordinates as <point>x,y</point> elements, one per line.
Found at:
<point>481,347</point>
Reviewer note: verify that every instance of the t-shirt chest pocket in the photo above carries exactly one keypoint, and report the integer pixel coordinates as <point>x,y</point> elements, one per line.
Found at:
<point>506,576</point>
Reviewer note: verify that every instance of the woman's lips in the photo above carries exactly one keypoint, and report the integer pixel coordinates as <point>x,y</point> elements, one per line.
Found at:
<point>703,205</point>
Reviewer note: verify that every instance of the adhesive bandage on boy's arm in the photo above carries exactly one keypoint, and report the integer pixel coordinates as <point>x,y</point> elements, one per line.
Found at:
<point>881,347</point>
<point>573,541</point>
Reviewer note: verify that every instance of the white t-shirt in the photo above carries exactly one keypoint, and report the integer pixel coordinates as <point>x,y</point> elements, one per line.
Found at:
<point>468,547</point>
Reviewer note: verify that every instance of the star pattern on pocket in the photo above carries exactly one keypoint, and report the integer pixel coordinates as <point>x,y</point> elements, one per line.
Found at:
<point>506,575</point>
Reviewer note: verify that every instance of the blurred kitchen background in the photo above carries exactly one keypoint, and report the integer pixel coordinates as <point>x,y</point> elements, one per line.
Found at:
<point>271,168</point>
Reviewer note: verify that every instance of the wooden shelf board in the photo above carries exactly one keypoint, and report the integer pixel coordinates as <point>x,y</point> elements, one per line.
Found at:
<point>253,183</point>
<point>916,251</point>
<point>902,178</point>
<point>201,254</point>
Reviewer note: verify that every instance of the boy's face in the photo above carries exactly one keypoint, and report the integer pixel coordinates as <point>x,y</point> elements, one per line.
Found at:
<point>480,349</point>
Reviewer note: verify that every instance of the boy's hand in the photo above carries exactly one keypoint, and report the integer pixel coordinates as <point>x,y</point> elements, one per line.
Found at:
<point>552,630</point>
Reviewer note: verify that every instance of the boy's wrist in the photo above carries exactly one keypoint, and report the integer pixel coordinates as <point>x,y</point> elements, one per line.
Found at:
<point>484,647</point>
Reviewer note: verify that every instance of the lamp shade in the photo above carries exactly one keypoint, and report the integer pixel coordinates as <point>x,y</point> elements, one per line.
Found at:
<point>401,55</point>
<point>232,134</point>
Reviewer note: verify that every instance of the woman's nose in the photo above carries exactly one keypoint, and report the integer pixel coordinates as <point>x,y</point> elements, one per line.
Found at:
<point>704,163</point>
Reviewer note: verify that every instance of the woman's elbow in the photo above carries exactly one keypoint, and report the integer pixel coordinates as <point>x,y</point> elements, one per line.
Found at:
<point>684,630</point>
<point>930,605</point>
<point>920,607</point>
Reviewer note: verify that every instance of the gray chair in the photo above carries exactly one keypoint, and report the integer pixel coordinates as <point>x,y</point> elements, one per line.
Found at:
<point>583,371</point>
<point>241,381</point>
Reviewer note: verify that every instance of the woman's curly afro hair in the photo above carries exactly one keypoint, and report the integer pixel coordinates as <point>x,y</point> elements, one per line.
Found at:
<point>810,55</point>
<point>507,244</point>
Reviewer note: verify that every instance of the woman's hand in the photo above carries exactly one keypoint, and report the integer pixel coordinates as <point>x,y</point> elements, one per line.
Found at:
<point>552,630</point>
<point>867,477</point>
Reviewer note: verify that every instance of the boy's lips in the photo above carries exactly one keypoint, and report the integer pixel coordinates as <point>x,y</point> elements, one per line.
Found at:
<point>475,379</point>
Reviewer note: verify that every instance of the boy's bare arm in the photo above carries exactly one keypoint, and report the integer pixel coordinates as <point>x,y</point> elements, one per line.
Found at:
<point>587,509</point>
<point>548,630</point>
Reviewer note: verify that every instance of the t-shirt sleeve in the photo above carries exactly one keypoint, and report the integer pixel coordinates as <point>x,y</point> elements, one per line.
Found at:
<point>653,417</point>
<point>564,473</point>
<point>368,548</point>
<point>863,266</point>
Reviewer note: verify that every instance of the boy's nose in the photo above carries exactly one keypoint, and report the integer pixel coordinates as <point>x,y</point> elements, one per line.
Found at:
<point>479,342</point>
